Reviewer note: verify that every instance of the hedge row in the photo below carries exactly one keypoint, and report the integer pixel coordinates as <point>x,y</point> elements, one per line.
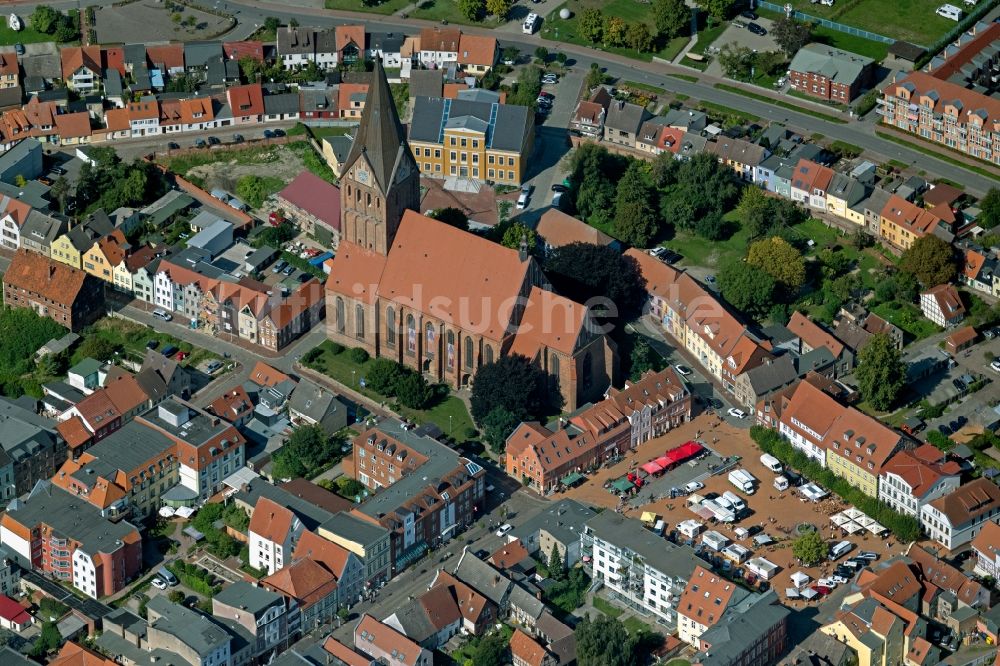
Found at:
<point>904,528</point>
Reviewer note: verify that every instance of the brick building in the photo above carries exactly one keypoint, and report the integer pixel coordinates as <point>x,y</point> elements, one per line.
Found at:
<point>65,295</point>
<point>822,71</point>
<point>424,492</point>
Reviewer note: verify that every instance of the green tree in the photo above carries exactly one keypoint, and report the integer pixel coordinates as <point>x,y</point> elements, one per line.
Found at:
<point>643,358</point>
<point>517,232</point>
<point>594,174</point>
<point>307,448</point>
<point>931,260</point>
<point>350,488</point>
<point>541,55</point>
<point>990,207</point>
<point>491,651</point>
<point>791,35</point>
<point>44,19</point>
<point>556,566</point>
<point>48,640</point>
<point>60,191</point>
<point>293,23</point>
<point>776,257</point>
<point>747,288</point>
<point>176,597</point>
<point>810,548</point>
<point>591,25</point>
<point>511,53</point>
<point>498,425</point>
<point>451,216</point>
<point>635,212</point>
<point>881,373</point>
<point>253,189</point>
<point>527,87</point>
<point>382,376</point>
<point>512,382</point>
<point>737,61</point>
<point>639,37</point>
<point>717,9</point>
<point>595,77</point>
<point>614,31</point>
<point>473,10</point>
<point>499,8</point>
<point>250,69</point>
<point>671,17</point>
<point>754,211</point>
<point>271,24</point>
<point>413,391</point>
<point>603,641</point>
<point>584,271</point>
<point>275,236</point>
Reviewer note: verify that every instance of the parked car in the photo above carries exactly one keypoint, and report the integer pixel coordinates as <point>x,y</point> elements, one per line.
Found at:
<point>268,134</point>
<point>714,403</point>
<point>170,351</point>
<point>506,527</point>
<point>279,132</point>
<point>737,413</point>
<point>158,583</point>
<point>238,138</point>
<point>289,270</point>
<point>867,555</point>
<point>522,201</point>
<point>482,554</point>
<point>59,171</point>
<point>19,48</point>
<point>162,314</point>
<point>214,141</point>
<point>710,279</point>
<point>995,365</point>
<point>213,366</point>
<point>200,143</point>
<point>547,95</point>
<point>821,590</point>
<point>558,187</point>
<point>152,344</point>
<point>959,384</point>
<point>988,334</point>
<point>756,29</point>
<point>944,430</point>
<point>550,79</point>
<point>961,421</point>
<point>693,487</point>
<point>280,266</point>
<point>182,355</point>
<point>682,369</point>
<point>173,145</point>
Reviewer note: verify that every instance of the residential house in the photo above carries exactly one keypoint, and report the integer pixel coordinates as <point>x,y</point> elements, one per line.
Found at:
<point>942,305</point>
<point>13,217</point>
<point>814,336</point>
<point>107,253</point>
<point>308,588</point>
<point>246,103</point>
<point>477,140</point>
<point>477,54</point>
<point>68,540</point>
<point>856,332</point>
<point>911,479</point>
<point>72,245</point>
<point>588,117</point>
<point>10,70</point>
<point>283,106</point>
<point>273,531</point>
<point>526,651</point>
<point>81,67</point>
<point>387,47</point>
<point>65,295</point>
<point>851,444</point>
<point>843,196</point>
<point>903,222</point>
<point>39,231</point>
<point>741,156</point>
<point>349,43</point>
<point>299,46</point>
<point>335,152</point>
<point>979,270</point>
<point>25,158</point>
<point>197,55</point>
<point>318,103</point>
<point>312,404</point>
<point>30,450</point>
<point>986,548</point>
<point>955,519</point>
<point>314,205</point>
<point>646,573</point>
<point>439,47</point>
<point>753,632</point>
<point>810,182</point>
<point>704,602</point>
<point>260,612</point>
<point>347,568</point>
<point>387,645</point>
<point>622,123</point>
<point>13,616</point>
<point>448,607</point>
<point>370,542</point>
<point>830,74</point>
<point>872,630</point>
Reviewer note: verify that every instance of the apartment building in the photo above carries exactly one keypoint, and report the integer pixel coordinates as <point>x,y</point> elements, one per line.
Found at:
<point>66,295</point>
<point>64,537</point>
<point>472,139</point>
<point>827,73</point>
<point>986,547</point>
<point>273,532</point>
<point>911,479</point>
<point>31,450</point>
<point>387,645</point>
<point>902,222</point>
<point>644,572</point>
<point>262,614</point>
<point>955,519</point>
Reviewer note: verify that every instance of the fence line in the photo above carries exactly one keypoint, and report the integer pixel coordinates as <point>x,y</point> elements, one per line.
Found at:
<point>827,23</point>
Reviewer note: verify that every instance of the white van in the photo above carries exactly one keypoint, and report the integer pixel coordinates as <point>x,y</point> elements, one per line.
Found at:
<point>839,550</point>
<point>781,483</point>
<point>949,12</point>
<point>522,200</point>
<point>772,463</point>
<point>530,23</point>
<point>736,501</point>
<point>162,314</point>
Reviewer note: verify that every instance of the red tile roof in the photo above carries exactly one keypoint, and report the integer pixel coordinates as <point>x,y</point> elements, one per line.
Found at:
<point>12,611</point>
<point>371,632</point>
<point>813,334</point>
<point>918,221</point>
<point>332,556</point>
<point>809,176</point>
<point>73,654</point>
<point>347,34</point>
<point>170,56</point>
<point>271,521</point>
<point>962,336</point>
<point>74,432</point>
<point>248,49</point>
<point>316,197</point>
<point>919,475</point>
<point>76,57</point>
<point>527,650</point>
<point>265,375</point>
<point>344,653</point>
<point>246,100</point>
<point>232,405</point>
<point>50,279</point>
<point>73,125</point>
<point>549,321</point>
<point>947,299</point>
<point>477,50</point>
<point>705,597</point>
<point>304,580</point>
<point>508,555</point>
<point>114,58</point>
<point>987,541</point>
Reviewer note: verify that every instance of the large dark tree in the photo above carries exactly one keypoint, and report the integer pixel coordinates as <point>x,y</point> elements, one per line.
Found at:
<point>701,185</point>
<point>881,373</point>
<point>513,383</point>
<point>582,271</point>
<point>990,207</point>
<point>603,641</point>
<point>791,35</point>
<point>931,260</point>
<point>671,17</point>
<point>636,219</point>
<point>307,448</point>
<point>594,174</point>
<point>747,288</point>
<point>454,217</point>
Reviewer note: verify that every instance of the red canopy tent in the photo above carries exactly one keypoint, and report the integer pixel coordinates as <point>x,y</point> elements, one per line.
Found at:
<point>664,462</point>
<point>683,452</point>
<point>652,467</point>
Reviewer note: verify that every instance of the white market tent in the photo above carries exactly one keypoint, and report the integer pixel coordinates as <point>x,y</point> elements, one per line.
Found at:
<point>813,492</point>
<point>800,579</point>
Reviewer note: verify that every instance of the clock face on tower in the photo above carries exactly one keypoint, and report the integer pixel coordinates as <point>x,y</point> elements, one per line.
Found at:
<point>362,176</point>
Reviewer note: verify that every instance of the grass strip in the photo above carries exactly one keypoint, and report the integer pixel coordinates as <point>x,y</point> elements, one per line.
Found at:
<point>781,103</point>
<point>643,86</point>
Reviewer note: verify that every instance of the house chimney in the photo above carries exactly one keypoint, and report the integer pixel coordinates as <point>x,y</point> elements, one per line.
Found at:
<point>523,252</point>
<point>52,270</point>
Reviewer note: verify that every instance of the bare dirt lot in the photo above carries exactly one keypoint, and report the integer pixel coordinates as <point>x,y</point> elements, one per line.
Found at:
<point>776,513</point>
<point>149,21</point>
<point>277,162</point>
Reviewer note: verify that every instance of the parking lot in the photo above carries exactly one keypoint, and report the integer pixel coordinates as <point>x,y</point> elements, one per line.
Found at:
<point>736,34</point>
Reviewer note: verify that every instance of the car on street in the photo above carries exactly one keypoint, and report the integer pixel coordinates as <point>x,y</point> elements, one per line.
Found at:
<point>214,140</point>
<point>527,188</point>
<point>173,145</point>
<point>682,369</point>
<point>279,132</point>
<point>821,590</point>
<point>714,403</point>
<point>749,14</point>
<point>756,29</point>
<point>944,429</point>
<point>988,334</point>
<point>546,95</point>
<point>200,143</point>
<point>162,314</point>
<point>693,487</point>
<point>506,527</point>
<point>522,201</point>
<point>238,138</point>
<point>19,48</point>
<point>280,266</point>
<point>995,365</point>
<point>827,582</point>
<point>158,584</point>
<point>737,413</point>
<point>867,555</point>
<point>559,187</point>
<point>544,103</point>
<point>842,580</point>
<point>269,134</point>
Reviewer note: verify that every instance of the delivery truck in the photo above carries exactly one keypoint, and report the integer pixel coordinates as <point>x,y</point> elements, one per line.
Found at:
<point>743,480</point>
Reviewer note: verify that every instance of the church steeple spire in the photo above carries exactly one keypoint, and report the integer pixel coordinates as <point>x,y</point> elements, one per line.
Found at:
<point>380,136</point>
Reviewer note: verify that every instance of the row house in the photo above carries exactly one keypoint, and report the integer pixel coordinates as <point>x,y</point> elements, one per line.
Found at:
<point>70,247</point>
<point>310,591</point>
<point>542,456</point>
<point>82,67</point>
<point>811,336</point>
<point>439,47</point>
<point>424,492</point>
<point>14,215</point>
<point>742,156</point>
<point>903,222</point>
<point>33,450</point>
<point>388,47</point>
<point>979,271</point>
<point>347,568</point>
<point>261,614</point>
<point>448,608</point>
<point>986,548</point>
<point>810,182</point>
<point>298,46</point>
<point>912,479</point>
<point>623,122</point>
<point>851,444</point>
<point>588,117</point>
<point>10,70</point>
<point>273,534</point>
<point>386,645</point>
<point>107,253</point>
<point>955,519</point>
<point>66,538</point>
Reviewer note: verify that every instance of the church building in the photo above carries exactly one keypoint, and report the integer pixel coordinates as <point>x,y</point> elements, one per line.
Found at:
<point>439,299</point>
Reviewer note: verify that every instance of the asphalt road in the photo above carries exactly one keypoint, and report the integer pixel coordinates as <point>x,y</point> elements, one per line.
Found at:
<point>252,14</point>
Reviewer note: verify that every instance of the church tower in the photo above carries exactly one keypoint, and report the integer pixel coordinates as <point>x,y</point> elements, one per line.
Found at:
<point>380,178</point>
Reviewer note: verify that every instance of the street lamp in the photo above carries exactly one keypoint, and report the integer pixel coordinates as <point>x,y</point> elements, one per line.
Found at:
<point>353,372</point>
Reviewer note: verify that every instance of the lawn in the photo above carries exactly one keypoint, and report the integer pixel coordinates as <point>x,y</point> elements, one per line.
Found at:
<point>778,102</point>
<point>27,36</point>
<point>322,132</point>
<point>727,113</point>
<point>908,317</point>
<point>446,11</point>
<point>606,607</point>
<point>909,20</point>
<point>820,234</point>
<point>707,36</point>
<point>699,252</point>
<point>566,30</point>
<point>387,7</point>
<point>448,414</point>
<point>133,337</point>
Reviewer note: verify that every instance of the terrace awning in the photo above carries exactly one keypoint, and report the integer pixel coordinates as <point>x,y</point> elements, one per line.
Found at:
<point>623,485</point>
<point>572,479</point>
<point>684,452</point>
<point>652,467</point>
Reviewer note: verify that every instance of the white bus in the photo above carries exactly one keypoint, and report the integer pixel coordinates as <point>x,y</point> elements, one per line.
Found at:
<point>530,23</point>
